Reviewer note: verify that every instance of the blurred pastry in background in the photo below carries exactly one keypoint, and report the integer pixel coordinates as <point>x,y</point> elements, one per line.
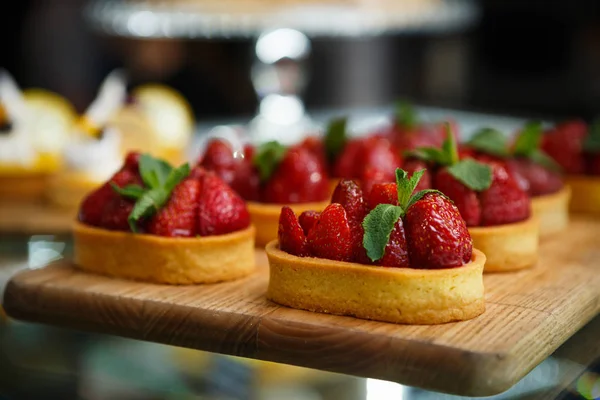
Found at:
<point>35,126</point>
<point>153,119</point>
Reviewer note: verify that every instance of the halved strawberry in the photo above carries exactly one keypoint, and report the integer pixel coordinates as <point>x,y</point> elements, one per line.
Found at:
<point>291,235</point>
<point>308,219</point>
<point>504,202</point>
<point>382,193</point>
<point>179,216</point>
<point>331,237</point>
<point>533,178</point>
<point>564,143</point>
<point>396,250</point>
<point>465,199</point>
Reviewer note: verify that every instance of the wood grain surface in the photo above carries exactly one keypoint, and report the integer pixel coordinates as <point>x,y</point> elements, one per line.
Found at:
<point>529,315</point>
<point>34,218</point>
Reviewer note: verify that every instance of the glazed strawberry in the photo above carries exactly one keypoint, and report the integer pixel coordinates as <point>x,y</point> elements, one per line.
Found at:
<point>345,165</point>
<point>92,207</point>
<point>593,164</point>
<point>411,166</point>
<point>291,235</point>
<point>564,143</point>
<point>372,177</point>
<point>350,196</point>
<point>504,202</point>
<point>218,156</point>
<point>380,155</point>
<point>396,250</point>
<point>308,219</point>
<point>436,234</point>
<point>315,145</point>
<point>382,193</point>
<point>300,177</point>
<point>533,178</point>
<point>132,160</point>
<point>178,217</point>
<point>331,237</point>
<point>221,210</point>
<point>465,199</point>
<point>116,213</point>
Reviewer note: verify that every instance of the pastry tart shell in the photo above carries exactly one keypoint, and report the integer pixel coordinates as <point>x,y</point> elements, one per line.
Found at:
<point>265,217</point>
<point>29,187</point>
<point>552,211</point>
<point>585,193</point>
<point>508,247</point>
<point>68,189</point>
<point>164,260</point>
<point>397,295</point>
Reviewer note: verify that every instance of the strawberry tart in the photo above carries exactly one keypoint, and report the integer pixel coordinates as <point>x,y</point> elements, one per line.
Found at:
<point>409,260</point>
<point>494,206</point>
<point>576,148</point>
<point>537,173</point>
<point>268,177</point>
<point>156,223</point>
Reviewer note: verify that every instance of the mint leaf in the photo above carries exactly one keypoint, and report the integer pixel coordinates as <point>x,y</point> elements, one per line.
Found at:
<point>591,144</point>
<point>267,158</point>
<point>449,147</point>
<point>529,139</point>
<point>420,194</point>
<point>490,141</point>
<point>378,226</point>
<point>146,206</point>
<point>335,137</point>
<point>405,114</point>
<point>129,191</point>
<point>176,176</point>
<point>428,154</point>
<point>154,171</point>
<point>543,159</point>
<point>473,174</point>
<point>406,186</point>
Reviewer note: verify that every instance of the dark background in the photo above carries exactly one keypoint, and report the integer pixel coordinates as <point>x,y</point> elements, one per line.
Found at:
<point>525,58</point>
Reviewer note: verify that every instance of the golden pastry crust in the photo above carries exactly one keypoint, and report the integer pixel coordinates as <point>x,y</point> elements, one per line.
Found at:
<point>585,193</point>
<point>30,187</point>
<point>265,217</point>
<point>398,295</point>
<point>164,260</point>
<point>508,247</point>
<point>68,189</point>
<point>552,211</point>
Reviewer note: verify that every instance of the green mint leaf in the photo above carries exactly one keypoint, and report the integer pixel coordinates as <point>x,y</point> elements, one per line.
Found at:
<point>543,159</point>
<point>267,158</point>
<point>335,137</point>
<point>490,141</point>
<point>378,226</point>
<point>154,171</point>
<point>449,147</point>
<point>151,201</point>
<point>473,174</point>
<point>420,194</point>
<point>591,144</point>
<point>176,176</point>
<point>130,191</point>
<point>406,186</point>
<point>528,139</point>
<point>406,115</point>
<point>427,154</point>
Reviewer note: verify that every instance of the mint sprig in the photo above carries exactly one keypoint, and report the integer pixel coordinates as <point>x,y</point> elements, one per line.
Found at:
<point>406,115</point>
<point>267,158</point>
<point>473,174</point>
<point>336,137</point>
<point>159,178</point>
<point>529,139</point>
<point>490,141</point>
<point>379,223</point>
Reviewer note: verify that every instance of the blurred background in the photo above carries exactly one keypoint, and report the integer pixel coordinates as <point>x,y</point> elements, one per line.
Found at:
<point>519,57</point>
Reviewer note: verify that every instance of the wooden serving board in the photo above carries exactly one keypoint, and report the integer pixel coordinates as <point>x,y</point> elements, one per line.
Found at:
<point>34,218</point>
<point>529,315</point>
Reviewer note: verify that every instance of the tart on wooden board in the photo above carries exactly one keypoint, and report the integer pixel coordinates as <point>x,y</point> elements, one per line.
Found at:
<point>409,260</point>
<point>269,177</point>
<point>156,223</point>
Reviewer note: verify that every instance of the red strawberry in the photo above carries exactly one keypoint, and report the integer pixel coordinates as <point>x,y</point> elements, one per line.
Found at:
<point>92,207</point>
<point>382,193</point>
<point>412,166</point>
<point>396,250</point>
<point>115,214</point>
<point>315,146</point>
<point>331,237</point>
<point>345,164</point>
<point>132,160</point>
<point>593,164</point>
<point>291,236</point>
<point>348,194</point>
<point>436,234</point>
<point>423,135</point>
<point>465,199</point>
<point>300,178</point>
<point>179,216</point>
<point>533,178</point>
<point>504,202</point>
<point>308,219</point>
<point>373,176</point>
<point>564,143</point>
<point>218,156</point>
<point>379,154</point>
<point>221,210</point>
